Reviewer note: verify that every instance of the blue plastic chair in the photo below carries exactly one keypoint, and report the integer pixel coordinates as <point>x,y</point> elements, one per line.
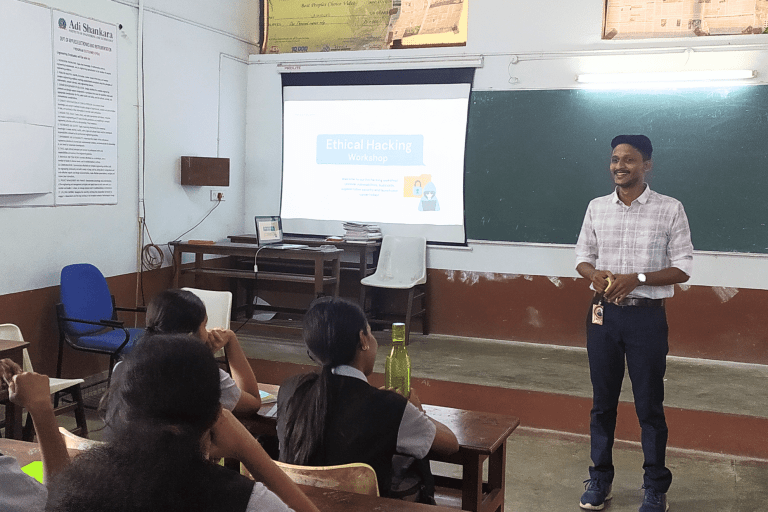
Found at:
<point>87,316</point>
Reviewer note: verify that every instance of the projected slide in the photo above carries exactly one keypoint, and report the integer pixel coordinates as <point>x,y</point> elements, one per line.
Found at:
<point>393,155</point>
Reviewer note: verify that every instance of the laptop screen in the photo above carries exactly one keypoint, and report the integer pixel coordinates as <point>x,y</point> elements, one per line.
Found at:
<point>269,230</point>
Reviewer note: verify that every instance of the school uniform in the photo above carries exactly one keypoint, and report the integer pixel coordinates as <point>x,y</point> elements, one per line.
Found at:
<point>364,424</point>
<point>19,492</point>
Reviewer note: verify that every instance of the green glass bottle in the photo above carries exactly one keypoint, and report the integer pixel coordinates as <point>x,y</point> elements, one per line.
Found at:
<point>397,369</point>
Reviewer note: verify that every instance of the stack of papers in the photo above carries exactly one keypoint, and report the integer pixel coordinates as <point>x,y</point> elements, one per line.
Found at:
<point>358,231</point>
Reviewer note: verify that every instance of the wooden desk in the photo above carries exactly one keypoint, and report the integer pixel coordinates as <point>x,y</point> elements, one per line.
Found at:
<point>481,436</point>
<point>327,500</point>
<point>363,249</point>
<point>13,350</point>
<point>326,264</point>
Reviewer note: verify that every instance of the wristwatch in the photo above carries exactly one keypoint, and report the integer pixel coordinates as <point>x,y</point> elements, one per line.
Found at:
<point>641,278</point>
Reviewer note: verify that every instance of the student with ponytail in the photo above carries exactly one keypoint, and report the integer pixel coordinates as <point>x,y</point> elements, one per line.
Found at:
<point>177,311</point>
<point>335,417</point>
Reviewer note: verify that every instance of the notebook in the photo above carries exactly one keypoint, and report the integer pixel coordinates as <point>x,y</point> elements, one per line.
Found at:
<point>269,233</point>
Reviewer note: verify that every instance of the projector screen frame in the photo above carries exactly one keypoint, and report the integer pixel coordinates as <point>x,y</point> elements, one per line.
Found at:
<point>438,234</point>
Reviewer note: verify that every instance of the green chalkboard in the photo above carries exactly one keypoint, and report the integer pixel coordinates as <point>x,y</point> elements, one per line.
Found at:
<point>534,160</point>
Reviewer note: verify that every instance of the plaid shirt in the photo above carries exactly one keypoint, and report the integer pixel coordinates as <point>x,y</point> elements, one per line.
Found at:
<point>650,234</point>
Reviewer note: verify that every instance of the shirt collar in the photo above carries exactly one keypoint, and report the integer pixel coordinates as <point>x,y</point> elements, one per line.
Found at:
<point>642,199</point>
<point>348,371</point>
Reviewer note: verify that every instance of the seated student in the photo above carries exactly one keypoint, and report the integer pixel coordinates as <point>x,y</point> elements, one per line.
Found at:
<point>336,417</point>
<point>18,491</point>
<point>182,312</point>
<point>167,397</point>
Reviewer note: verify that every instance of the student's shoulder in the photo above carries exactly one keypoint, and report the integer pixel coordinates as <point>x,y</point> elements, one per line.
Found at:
<point>389,397</point>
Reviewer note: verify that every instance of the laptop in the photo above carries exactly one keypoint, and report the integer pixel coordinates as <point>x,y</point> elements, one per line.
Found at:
<point>269,233</point>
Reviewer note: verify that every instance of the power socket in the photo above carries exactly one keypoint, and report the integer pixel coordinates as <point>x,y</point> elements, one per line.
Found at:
<point>217,195</point>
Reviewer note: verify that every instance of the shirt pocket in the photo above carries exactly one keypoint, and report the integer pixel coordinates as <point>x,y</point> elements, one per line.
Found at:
<point>650,242</point>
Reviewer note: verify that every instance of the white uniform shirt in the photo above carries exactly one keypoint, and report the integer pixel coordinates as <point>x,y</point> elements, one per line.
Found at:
<point>19,492</point>
<point>416,432</point>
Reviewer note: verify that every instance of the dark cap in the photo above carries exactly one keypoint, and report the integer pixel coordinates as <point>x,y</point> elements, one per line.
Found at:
<point>639,142</point>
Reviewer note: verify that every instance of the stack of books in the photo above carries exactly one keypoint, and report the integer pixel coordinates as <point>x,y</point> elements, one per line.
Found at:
<point>360,232</point>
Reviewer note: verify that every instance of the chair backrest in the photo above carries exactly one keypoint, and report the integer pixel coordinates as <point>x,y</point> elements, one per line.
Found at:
<point>85,295</point>
<point>218,307</point>
<point>403,261</point>
<point>13,333</point>
<point>355,477</point>
<point>77,443</point>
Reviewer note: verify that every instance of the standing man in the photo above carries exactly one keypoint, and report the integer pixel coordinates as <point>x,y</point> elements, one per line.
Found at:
<point>634,245</point>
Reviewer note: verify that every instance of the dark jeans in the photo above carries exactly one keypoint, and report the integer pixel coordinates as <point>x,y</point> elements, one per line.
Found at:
<point>638,334</point>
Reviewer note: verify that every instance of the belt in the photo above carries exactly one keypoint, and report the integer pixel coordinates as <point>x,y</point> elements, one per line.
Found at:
<point>641,302</point>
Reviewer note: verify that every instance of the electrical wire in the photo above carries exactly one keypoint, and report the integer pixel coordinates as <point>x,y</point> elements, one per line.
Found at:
<point>178,238</point>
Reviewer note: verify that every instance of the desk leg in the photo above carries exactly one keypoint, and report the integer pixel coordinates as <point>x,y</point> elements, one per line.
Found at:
<point>363,271</point>
<point>497,468</point>
<point>13,421</point>
<point>198,265</point>
<point>337,275</point>
<point>319,271</point>
<point>472,483</point>
<point>176,266</point>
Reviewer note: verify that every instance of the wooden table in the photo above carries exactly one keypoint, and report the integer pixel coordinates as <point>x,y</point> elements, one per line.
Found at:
<point>327,500</point>
<point>364,250</point>
<point>326,264</point>
<point>13,350</point>
<point>481,436</point>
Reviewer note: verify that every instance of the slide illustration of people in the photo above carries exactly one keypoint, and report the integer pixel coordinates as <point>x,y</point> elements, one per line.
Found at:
<point>429,202</point>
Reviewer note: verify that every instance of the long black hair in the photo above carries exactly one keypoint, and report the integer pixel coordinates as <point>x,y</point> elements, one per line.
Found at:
<point>175,311</point>
<point>168,399</point>
<point>332,334</point>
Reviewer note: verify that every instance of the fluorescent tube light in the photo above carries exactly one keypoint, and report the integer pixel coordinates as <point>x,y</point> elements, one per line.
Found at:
<point>665,77</point>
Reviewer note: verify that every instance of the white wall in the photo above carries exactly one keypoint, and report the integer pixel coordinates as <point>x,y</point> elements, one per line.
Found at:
<point>192,108</point>
<point>523,45</point>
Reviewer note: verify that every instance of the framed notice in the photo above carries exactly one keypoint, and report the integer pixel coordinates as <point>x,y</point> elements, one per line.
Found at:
<point>629,19</point>
<point>300,26</point>
<point>85,94</point>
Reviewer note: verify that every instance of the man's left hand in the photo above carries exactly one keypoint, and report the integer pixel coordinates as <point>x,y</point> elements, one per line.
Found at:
<point>622,286</point>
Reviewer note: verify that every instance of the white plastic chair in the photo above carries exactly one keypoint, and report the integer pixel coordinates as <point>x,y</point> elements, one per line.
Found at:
<point>218,307</point>
<point>71,386</point>
<point>402,265</point>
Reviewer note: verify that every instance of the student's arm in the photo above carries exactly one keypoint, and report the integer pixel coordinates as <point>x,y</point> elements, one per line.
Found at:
<point>231,439</point>
<point>445,442</point>
<point>32,391</point>
<point>242,373</point>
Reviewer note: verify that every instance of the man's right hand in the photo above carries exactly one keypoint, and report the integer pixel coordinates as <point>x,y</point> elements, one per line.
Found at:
<point>602,279</point>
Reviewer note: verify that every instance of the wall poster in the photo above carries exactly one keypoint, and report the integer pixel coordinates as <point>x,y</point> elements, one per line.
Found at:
<point>85,92</point>
<point>630,19</point>
<point>300,26</point>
